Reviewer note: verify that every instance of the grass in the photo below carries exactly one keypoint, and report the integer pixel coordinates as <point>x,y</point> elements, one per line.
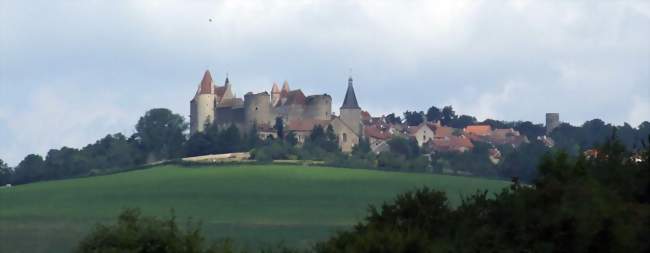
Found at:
<point>255,205</point>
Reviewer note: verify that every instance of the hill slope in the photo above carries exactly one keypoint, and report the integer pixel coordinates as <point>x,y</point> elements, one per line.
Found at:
<point>252,204</point>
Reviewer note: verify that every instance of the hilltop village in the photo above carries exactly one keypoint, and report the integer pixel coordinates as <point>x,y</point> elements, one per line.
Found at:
<point>215,104</point>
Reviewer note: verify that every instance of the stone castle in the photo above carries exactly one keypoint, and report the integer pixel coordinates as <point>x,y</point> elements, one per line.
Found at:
<point>217,105</point>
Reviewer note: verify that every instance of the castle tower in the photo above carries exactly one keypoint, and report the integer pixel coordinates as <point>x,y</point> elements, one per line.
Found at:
<point>350,110</point>
<point>202,106</point>
<point>275,94</point>
<point>552,121</point>
<point>257,109</point>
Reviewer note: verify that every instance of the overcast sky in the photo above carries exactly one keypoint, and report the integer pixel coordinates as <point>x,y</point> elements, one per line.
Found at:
<point>73,71</point>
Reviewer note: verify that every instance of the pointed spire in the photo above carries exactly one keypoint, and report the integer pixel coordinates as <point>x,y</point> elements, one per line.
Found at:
<point>206,83</point>
<point>275,88</point>
<point>350,101</point>
<point>227,82</point>
<point>285,86</point>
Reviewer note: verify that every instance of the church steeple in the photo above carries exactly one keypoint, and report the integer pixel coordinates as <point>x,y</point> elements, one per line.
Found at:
<point>350,101</point>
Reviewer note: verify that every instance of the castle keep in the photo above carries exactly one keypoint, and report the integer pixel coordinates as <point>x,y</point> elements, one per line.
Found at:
<point>213,104</point>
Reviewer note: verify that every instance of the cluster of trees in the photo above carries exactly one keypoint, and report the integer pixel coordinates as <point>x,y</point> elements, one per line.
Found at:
<point>446,116</point>
<point>321,144</point>
<point>575,139</point>
<point>159,136</point>
<point>575,205</point>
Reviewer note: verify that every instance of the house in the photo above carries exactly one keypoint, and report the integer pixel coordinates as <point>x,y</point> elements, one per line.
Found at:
<point>450,144</point>
<point>422,133</point>
<point>478,130</point>
<point>378,136</point>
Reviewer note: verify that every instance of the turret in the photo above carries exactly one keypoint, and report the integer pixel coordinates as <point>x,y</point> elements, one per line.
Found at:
<point>202,107</point>
<point>257,109</point>
<point>350,110</point>
<point>275,94</point>
<point>319,107</point>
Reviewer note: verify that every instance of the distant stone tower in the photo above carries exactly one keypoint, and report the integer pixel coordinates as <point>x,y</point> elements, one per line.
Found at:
<point>350,110</point>
<point>318,107</point>
<point>275,94</point>
<point>257,109</point>
<point>202,106</point>
<point>552,121</point>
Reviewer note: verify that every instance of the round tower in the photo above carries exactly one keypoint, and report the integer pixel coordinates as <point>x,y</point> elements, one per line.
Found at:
<point>319,107</point>
<point>257,109</point>
<point>202,106</point>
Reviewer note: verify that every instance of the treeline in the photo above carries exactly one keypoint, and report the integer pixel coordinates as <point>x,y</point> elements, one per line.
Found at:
<point>159,135</point>
<point>576,204</point>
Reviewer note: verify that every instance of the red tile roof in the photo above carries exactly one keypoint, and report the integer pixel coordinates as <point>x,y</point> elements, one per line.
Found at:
<point>206,83</point>
<point>478,129</point>
<point>442,131</point>
<point>295,97</point>
<point>377,133</point>
<point>220,90</point>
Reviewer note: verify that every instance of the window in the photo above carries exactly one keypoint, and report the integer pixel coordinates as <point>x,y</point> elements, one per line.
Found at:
<point>255,108</point>
<point>345,137</point>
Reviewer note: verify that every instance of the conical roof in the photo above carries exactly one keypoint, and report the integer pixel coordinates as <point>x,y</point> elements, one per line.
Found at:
<point>350,100</point>
<point>285,86</point>
<point>275,88</point>
<point>206,83</point>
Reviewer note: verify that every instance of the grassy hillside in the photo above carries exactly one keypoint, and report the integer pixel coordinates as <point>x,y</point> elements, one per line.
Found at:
<point>253,204</point>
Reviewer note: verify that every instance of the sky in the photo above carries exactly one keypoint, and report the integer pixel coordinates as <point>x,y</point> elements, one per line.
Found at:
<point>73,71</point>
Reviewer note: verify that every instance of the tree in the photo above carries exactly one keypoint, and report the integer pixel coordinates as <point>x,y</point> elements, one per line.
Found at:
<point>160,134</point>
<point>279,127</point>
<point>6,173</point>
<point>291,138</point>
<point>134,232</point>
<point>31,168</point>
<point>363,147</point>
<point>414,118</point>
<point>409,148</point>
<point>229,140</point>
<point>434,114</point>
<point>392,119</point>
<point>462,121</point>
<point>448,115</point>
<point>198,144</point>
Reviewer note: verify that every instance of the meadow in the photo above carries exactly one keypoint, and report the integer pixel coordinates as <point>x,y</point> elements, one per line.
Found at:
<point>255,205</point>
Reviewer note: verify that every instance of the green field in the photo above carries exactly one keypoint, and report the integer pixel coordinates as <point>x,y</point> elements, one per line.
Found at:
<point>256,205</point>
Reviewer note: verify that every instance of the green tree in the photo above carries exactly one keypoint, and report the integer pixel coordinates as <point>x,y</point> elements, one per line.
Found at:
<point>279,127</point>
<point>434,114</point>
<point>160,134</point>
<point>30,169</point>
<point>198,144</point>
<point>462,121</point>
<point>229,140</point>
<point>134,232</point>
<point>414,118</point>
<point>409,148</point>
<point>448,115</point>
<point>393,119</point>
<point>291,138</point>
<point>363,147</point>
<point>6,173</point>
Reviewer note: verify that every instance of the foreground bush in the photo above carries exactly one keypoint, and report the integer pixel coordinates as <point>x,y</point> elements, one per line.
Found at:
<point>136,233</point>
